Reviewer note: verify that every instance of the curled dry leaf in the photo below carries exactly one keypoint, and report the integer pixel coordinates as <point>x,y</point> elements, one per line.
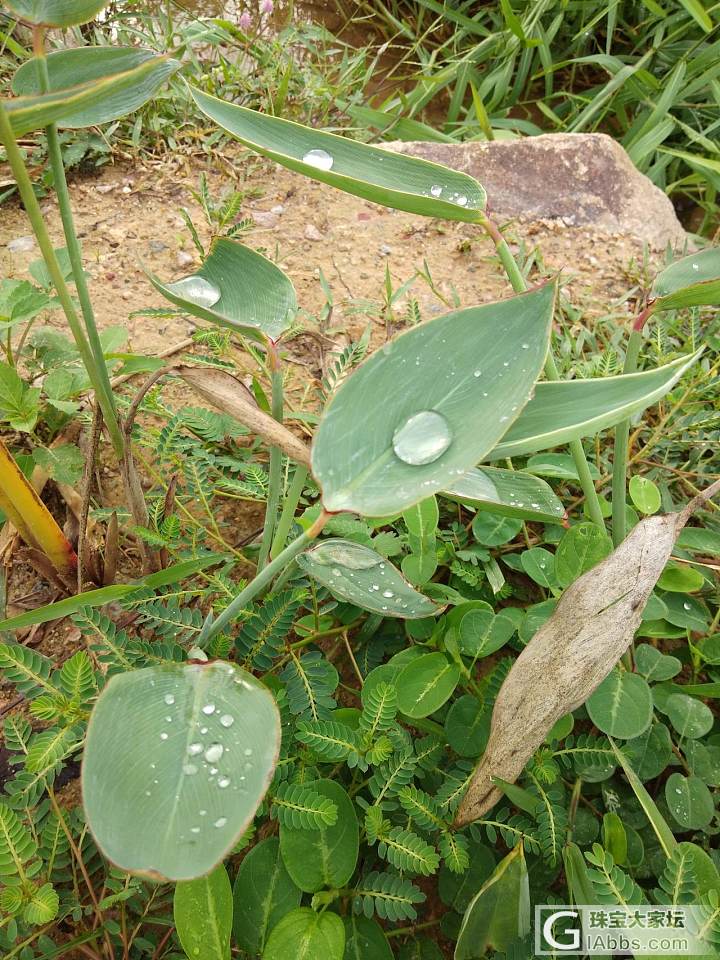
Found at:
<point>225,392</point>
<point>573,652</point>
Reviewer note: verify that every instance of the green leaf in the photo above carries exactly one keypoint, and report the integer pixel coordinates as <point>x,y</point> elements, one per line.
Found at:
<point>499,914</point>
<point>203,915</point>
<point>425,424</point>
<point>263,894</point>
<point>689,801</point>
<point>325,857</point>
<point>425,684</point>
<point>63,464</point>
<point>482,633</point>
<point>382,176</point>
<point>303,934</point>
<point>365,578</point>
<point>170,790</point>
<point>467,726</point>
<point>40,110</point>
<point>651,752</point>
<point>19,404</point>
<point>56,13</point>
<point>581,548</point>
<point>421,521</point>
<point>614,837</point>
<point>698,12</point>
<point>558,465</point>
<point>539,564</point>
<point>565,410</point>
<point>691,718</point>
<point>689,282</point>
<point>507,492</point>
<point>645,495</point>
<point>389,895</point>
<point>493,531</point>
<point>622,705</point>
<point>16,844</point>
<point>657,821</point>
<point>365,940</point>
<point>20,301</point>
<point>42,907</point>
<point>238,288</point>
<point>680,579</point>
<point>80,65</point>
<point>299,806</point>
<point>654,665</point>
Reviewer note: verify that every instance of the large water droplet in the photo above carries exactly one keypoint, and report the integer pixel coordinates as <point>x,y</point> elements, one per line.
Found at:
<point>214,752</point>
<point>169,699</point>
<point>197,290</point>
<point>194,749</point>
<point>436,190</point>
<point>220,822</point>
<point>461,200</point>
<point>319,158</point>
<point>351,555</point>
<point>422,438</point>
<point>226,720</point>
<point>208,709</point>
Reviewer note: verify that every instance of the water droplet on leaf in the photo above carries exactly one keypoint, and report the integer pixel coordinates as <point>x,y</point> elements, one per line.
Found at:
<point>208,709</point>
<point>214,752</point>
<point>422,438</point>
<point>319,158</point>
<point>226,720</point>
<point>169,699</point>
<point>436,190</point>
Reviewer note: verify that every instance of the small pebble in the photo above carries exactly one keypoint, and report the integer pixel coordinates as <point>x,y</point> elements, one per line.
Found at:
<point>157,246</point>
<point>278,209</point>
<point>385,249</point>
<point>183,259</point>
<point>264,218</point>
<point>21,245</point>
<point>312,233</point>
<point>105,187</point>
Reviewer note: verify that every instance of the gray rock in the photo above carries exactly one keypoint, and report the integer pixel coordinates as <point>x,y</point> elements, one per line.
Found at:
<point>577,180</point>
<point>21,245</point>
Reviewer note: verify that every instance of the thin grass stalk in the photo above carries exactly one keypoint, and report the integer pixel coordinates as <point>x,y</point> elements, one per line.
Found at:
<point>32,208</point>
<point>519,285</point>
<point>288,511</point>
<point>275,475</point>
<point>620,450</point>
<point>263,579</point>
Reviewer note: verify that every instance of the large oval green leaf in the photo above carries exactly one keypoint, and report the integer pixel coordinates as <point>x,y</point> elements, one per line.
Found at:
<point>32,112</point>
<point>263,894</point>
<point>392,179</point>
<point>434,402</point>
<point>203,912</point>
<point>236,287</point>
<point>80,65</point>
<point>307,935</point>
<point>692,281</point>
<point>325,857</point>
<point>177,760</point>
<point>622,705</point>
<point>56,13</point>
<point>507,492</point>
<point>363,577</point>
<point>564,410</point>
<point>426,683</point>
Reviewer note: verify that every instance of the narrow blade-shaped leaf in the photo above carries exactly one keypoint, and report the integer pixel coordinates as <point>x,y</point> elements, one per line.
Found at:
<point>507,492</point>
<point>692,281</point>
<point>565,410</point>
<point>32,112</point>
<point>170,790</point>
<point>56,13</point>
<point>382,176</point>
<point>81,65</point>
<point>236,287</point>
<point>363,577</point>
<point>434,402</point>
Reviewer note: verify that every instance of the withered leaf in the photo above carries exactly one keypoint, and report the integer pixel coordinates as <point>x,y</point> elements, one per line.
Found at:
<point>573,652</point>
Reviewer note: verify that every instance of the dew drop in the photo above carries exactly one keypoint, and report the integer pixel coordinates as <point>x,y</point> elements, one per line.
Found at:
<point>169,699</point>
<point>227,720</point>
<point>422,438</point>
<point>163,736</point>
<point>194,829</point>
<point>203,730</point>
<point>194,749</point>
<point>388,594</point>
<point>197,290</point>
<point>686,606</point>
<point>526,346</point>
<point>248,752</point>
<point>220,822</point>
<point>461,200</point>
<point>202,813</point>
<point>208,709</point>
<point>477,373</point>
<point>223,782</point>
<point>696,266</point>
<point>214,752</point>
<point>435,190</point>
<point>320,159</point>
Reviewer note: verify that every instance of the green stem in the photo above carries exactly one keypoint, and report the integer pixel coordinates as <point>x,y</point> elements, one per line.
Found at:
<point>288,511</point>
<point>620,450</point>
<point>32,208</point>
<point>519,285</point>
<point>275,481</point>
<point>264,577</point>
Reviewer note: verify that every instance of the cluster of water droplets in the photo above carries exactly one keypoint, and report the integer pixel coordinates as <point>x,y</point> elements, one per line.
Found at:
<point>436,190</point>
<point>346,559</point>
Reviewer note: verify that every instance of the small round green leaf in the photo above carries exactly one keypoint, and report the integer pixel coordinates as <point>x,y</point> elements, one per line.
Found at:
<point>262,894</point>
<point>651,752</point>
<point>622,705</point>
<point>236,287</point>
<point>365,940</point>
<point>645,495</point>
<point>539,564</point>
<point>56,13</point>
<point>203,911</point>
<point>704,761</point>
<point>655,666</point>
<point>482,633</point>
<point>680,579</point>
<point>177,760</point>
<point>325,857</point>
<point>492,531</point>
<point>687,612</point>
<point>581,548</point>
<point>366,579</point>
<point>306,935</point>
<point>690,717</point>
<point>425,684</point>
<point>689,801</point>
<point>467,726</point>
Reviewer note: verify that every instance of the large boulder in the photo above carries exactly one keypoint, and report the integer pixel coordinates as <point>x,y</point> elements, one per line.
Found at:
<point>577,179</point>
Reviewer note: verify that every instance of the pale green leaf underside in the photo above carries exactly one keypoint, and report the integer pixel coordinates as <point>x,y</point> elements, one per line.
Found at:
<point>378,175</point>
<point>475,367</point>
<point>56,13</point>
<point>256,298</point>
<point>506,492</point>
<point>566,410</point>
<point>81,65</point>
<point>202,911</point>
<point>689,282</point>
<point>33,112</point>
<point>380,587</point>
<point>147,779</point>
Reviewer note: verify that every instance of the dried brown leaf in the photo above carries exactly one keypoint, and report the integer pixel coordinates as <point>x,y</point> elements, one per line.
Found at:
<point>573,652</point>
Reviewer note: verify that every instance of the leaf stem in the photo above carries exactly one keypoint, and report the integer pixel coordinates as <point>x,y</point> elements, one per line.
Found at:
<point>275,481</point>
<point>265,576</point>
<point>620,448</point>
<point>519,285</point>
<point>288,511</point>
